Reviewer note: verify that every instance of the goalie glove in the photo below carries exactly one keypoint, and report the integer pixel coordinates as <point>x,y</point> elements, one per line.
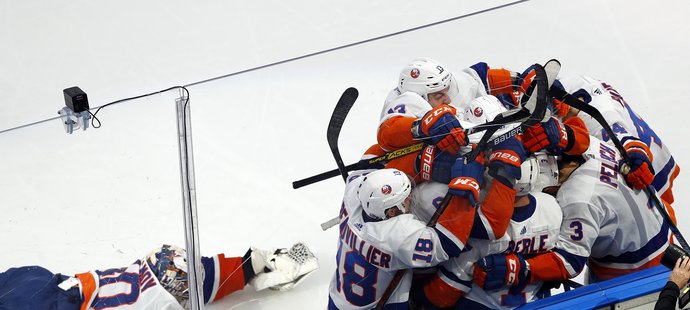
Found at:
<point>441,128</point>
<point>496,271</point>
<point>284,269</point>
<point>641,172</point>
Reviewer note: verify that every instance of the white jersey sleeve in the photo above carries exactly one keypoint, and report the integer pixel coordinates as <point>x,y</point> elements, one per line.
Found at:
<point>606,221</point>
<point>407,104</point>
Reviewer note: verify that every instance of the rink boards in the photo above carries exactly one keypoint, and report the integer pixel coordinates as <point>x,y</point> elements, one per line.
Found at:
<point>638,290</point>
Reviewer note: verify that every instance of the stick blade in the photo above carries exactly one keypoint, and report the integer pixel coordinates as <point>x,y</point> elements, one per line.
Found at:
<point>342,108</point>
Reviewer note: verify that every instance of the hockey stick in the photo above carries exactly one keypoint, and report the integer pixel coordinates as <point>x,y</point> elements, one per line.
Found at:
<point>497,122</point>
<point>342,108</point>
<point>569,99</point>
<point>535,108</point>
<point>372,162</point>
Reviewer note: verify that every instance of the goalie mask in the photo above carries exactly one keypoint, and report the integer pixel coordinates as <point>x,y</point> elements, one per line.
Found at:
<point>538,172</point>
<point>425,76</point>
<point>382,190</point>
<point>169,264</point>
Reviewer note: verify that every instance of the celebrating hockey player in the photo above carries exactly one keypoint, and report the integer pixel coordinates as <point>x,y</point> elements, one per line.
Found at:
<point>606,225</point>
<point>158,281</point>
<point>378,236</point>
<point>533,229</point>
<point>425,85</point>
<point>652,163</point>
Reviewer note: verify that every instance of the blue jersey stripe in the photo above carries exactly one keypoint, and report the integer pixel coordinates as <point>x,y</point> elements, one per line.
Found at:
<point>661,177</point>
<point>648,249</point>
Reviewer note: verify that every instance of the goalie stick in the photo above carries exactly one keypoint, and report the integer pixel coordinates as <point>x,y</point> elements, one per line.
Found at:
<point>569,99</point>
<point>535,107</point>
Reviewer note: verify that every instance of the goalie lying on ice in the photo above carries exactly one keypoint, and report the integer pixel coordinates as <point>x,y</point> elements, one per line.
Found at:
<point>158,281</point>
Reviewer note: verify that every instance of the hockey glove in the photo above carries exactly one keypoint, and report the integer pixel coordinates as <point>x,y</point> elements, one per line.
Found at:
<point>441,128</point>
<point>505,161</point>
<point>558,107</point>
<point>467,178</point>
<point>641,172</point>
<point>284,269</point>
<point>434,165</point>
<point>551,135</point>
<point>524,86</point>
<point>496,271</point>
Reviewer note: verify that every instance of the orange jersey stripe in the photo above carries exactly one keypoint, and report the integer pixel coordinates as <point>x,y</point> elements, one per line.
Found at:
<point>88,288</point>
<point>497,207</point>
<point>547,267</point>
<point>231,275</point>
<point>458,217</point>
<point>667,196</point>
<point>580,135</point>
<point>395,133</point>
<point>500,81</point>
<point>605,273</point>
<point>440,294</point>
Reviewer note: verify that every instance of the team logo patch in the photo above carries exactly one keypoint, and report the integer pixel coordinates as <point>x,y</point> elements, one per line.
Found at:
<point>414,73</point>
<point>386,189</point>
<point>478,112</point>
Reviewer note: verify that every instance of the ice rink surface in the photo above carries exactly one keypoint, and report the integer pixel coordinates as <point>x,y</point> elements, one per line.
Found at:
<point>104,197</point>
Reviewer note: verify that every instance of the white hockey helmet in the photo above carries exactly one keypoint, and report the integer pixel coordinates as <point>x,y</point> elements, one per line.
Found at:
<point>482,110</point>
<point>384,189</point>
<point>539,171</point>
<point>424,76</point>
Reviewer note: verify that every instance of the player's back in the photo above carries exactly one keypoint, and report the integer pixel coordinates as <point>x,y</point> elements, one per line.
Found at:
<point>607,221</point>
<point>625,122</point>
<point>134,287</point>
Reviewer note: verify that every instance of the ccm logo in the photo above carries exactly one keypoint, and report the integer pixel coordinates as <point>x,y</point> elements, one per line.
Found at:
<point>512,271</point>
<point>503,156</point>
<point>431,117</point>
<point>564,134</point>
<point>427,162</point>
<point>467,182</point>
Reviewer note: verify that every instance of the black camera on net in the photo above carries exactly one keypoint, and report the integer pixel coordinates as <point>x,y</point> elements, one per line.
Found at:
<point>671,255</point>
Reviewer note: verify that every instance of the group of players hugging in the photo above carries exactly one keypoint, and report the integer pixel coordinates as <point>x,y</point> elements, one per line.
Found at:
<point>524,215</point>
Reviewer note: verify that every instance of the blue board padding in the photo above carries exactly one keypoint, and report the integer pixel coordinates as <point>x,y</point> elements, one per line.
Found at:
<point>609,292</point>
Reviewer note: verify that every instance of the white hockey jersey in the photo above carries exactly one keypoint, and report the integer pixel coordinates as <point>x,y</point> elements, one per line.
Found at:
<point>371,252</point>
<point>624,122</point>
<point>134,287</point>
<point>533,229</point>
<point>604,220</point>
<point>465,87</point>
